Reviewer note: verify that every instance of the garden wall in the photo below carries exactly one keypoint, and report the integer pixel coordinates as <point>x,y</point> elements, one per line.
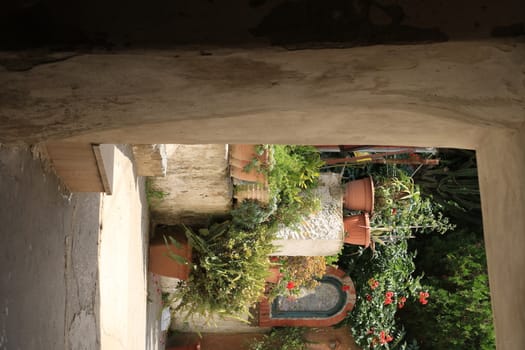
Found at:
<point>197,184</point>
<point>321,233</point>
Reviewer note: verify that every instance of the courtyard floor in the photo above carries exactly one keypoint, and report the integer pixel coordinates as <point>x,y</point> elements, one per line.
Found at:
<point>73,266</point>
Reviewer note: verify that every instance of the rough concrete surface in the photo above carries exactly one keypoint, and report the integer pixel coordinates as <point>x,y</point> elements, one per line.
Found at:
<point>48,260</point>
<point>73,266</point>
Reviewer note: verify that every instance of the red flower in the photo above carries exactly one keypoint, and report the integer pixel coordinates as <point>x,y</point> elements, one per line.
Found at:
<point>394,211</point>
<point>373,283</point>
<point>290,285</point>
<point>388,297</point>
<point>401,302</point>
<point>368,297</point>
<point>423,297</point>
<point>385,338</point>
<point>345,288</point>
<point>274,259</point>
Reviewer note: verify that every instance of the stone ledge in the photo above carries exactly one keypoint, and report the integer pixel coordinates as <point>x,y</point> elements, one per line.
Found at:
<point>150,160</point>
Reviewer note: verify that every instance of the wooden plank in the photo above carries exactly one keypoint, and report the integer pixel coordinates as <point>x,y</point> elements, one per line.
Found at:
<point>76,165</point>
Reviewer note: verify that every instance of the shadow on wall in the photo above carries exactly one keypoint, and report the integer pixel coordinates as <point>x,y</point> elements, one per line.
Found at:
<point>63,25</point>
<point>353,23</point>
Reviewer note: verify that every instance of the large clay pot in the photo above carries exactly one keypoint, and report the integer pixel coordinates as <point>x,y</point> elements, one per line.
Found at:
<point>359,195</point>
<point>357,228</point>
<point>247,153</point>
<point>237,170</point>
<point>161,264</point>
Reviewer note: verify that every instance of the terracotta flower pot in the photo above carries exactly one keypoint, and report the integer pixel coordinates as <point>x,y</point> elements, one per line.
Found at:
<point>247,153</point>
<point>161,264</point>
<point>237,170</point>
<point>359,195</point>
<point>357,228</point>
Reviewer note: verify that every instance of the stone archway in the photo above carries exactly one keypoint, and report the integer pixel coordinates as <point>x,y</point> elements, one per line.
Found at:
<point>466,95</point>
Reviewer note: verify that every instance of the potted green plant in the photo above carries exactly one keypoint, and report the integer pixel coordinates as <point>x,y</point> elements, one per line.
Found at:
<point>400,212</point>
<point>228,273</point>
<point>247,161</point>
<point>170,254</point>
<point>292,176</point>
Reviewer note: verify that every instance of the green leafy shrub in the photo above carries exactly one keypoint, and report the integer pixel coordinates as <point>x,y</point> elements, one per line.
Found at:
<point>454,184</point>
<point>228,271</point>
<point>292,177</point>
<point>390,269</point>
<point>401,210</point>
<point>251,213</point>
<point>460,315</point>
<point>283,338</point>
<point>385,276</point>
<point>292,172</point>
<point>332,260</point>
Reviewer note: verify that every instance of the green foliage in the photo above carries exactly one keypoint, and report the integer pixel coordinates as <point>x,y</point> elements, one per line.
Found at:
<point>251,213</point>
<point>283,338</point>
<point>400,213</point>
<point>401,210</point>
<point>292,172</point>
<point>332,260</point>
<point>460,315</point>
<point>292,177</point>
<point>181,260</point>
<point>153,194</point>
<point>231,258</point>
<point>389,269</point>
<point>229,270</point>
<point>300,271</point>
<point>458,312</point>
<point>454,185</point>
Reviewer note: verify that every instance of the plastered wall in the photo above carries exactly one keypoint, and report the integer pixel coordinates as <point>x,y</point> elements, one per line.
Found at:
<point>456,94</point>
